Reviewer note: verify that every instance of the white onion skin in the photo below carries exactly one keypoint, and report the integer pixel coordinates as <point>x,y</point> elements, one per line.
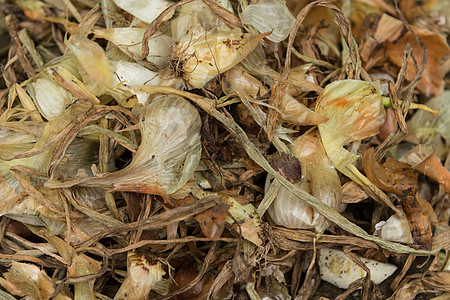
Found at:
<point>268,16</point>
<point>320,179</point>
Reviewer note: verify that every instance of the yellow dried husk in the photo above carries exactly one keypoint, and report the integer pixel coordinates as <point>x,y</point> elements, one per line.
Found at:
<point>201,55</point>
<point>41,162</point>
<point>355,111</point>
<point>27,280</point>
<point>92,64</point>
<point>143,274</point>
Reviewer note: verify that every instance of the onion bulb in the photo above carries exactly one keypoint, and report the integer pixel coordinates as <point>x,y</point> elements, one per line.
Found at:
<point>319,179</point>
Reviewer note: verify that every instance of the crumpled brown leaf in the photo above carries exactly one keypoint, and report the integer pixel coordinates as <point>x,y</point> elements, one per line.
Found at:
<point>401,179</point>
<point>287,166</point>
<point>212,221</point>
<point>432,82</point>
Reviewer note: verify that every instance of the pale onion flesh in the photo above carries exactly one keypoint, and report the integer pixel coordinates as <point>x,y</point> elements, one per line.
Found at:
<point>131,74</point>
<point>395,229</point>
<point>337,269</point>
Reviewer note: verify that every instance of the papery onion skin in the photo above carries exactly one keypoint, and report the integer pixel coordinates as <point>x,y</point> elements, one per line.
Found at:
<point>320,180</point>
<point>355,111</point>
<point>146,10</point>
<point>169,153</point>
<point>129,40</point>
<point>92,64</point>
<point>197,12</point>
<point>50,98</point>
<point>267,16</point>
<point>203,55</point>
<point>143,273</point>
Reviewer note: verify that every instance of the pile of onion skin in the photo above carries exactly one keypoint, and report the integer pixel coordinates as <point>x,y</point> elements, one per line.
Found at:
<point>222,149</point>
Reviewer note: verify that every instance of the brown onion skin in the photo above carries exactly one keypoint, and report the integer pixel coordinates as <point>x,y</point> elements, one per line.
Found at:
<point>388,126</point>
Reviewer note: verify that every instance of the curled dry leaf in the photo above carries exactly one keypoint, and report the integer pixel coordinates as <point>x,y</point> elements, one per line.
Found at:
<point>401,179</point>
<point>244,220</point>
<point>387,28</point>
<point>429,165</point>
<point>199,291</point>
<point>212,221</point>
<point>432,80</point>
<point>287,166</point>
<point>353,193</point>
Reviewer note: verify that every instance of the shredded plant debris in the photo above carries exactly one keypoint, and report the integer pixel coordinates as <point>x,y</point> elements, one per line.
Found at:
<point>224,149</point>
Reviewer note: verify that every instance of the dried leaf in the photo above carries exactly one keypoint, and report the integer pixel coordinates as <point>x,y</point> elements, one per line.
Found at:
<point>212,221</point>
<point>401,179</point>
<point>432,82</point>
<point>288,167</point>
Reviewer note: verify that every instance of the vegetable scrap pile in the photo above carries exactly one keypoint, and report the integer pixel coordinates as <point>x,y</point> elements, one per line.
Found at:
<point>224,149</point>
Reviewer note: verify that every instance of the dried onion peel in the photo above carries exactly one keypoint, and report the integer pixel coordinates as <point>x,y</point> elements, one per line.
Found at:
<point>320,179</point>
<point>169,153</point>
